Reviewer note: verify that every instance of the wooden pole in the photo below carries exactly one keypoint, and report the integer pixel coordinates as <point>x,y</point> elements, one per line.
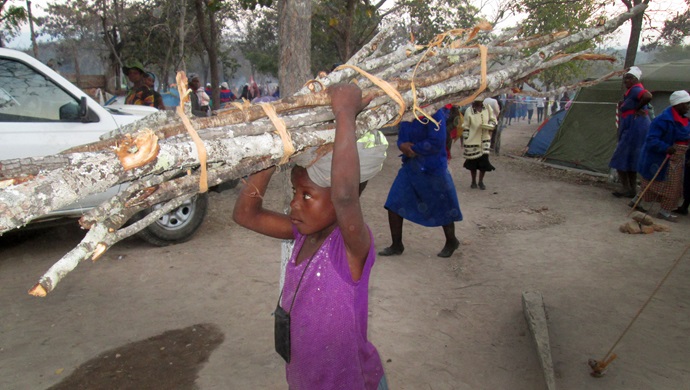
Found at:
<point>639,198</point>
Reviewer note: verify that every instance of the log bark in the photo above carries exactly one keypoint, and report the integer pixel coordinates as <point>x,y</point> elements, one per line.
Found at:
<point>241,140</point>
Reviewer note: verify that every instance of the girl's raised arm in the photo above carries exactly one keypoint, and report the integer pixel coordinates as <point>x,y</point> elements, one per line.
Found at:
<point>347,102</point>
<point>249,211</point>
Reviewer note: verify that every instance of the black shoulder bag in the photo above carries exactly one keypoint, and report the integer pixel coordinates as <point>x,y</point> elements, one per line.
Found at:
<point>282,321</point>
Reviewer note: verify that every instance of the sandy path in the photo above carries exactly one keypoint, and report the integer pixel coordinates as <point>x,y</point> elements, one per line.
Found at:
<point>438,323</point>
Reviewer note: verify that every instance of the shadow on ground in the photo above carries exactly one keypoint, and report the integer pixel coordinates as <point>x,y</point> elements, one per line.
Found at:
<point>171,360</point>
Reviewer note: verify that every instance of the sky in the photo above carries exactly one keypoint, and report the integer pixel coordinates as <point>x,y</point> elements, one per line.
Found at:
<point>658,11</point>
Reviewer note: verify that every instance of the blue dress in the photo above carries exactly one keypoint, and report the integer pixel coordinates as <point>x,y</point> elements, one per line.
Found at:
<point>632,131</point>
<point>423,191</point>
<point>665,130</point>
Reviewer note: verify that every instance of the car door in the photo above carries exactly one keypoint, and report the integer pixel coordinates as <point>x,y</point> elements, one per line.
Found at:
<point>39,117</point>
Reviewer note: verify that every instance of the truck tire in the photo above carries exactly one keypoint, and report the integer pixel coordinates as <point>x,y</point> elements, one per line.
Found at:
<point>178,225</point>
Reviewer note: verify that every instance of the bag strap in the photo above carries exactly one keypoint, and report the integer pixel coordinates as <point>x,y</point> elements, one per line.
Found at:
<point>298,283</point>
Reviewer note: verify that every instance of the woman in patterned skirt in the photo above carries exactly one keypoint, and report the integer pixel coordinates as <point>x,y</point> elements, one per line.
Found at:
<point>664,152</point>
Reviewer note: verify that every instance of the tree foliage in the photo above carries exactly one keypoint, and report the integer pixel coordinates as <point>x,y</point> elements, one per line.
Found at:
<point>11,19</point>
<point>87,22</point>
<point>340,28</point>
<point>259,42</point>
<point>73,23</point>
<point>547,16</point>
<point>162,34</point>
<point>677,29</point>
<point>429,18</point>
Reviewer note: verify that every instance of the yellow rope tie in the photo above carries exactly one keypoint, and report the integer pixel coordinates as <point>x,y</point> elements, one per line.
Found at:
<point>310,84</point>
<point>181,80</point>
<point>288,147</point>
<point>416,110</point>
<point>244,107</point>
<point>385,86</point>
<point>482,86</point>
<point>437,42</point>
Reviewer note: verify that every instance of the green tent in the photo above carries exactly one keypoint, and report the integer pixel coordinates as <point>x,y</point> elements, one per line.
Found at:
<point>587,137</point>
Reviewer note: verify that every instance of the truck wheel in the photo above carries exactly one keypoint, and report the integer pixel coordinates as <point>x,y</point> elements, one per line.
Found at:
<point>178,225</point>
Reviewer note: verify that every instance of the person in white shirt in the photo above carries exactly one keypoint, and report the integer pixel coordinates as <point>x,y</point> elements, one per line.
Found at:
<point>478,124</point>
<point>496,108</point>
<point>530,102</point>
<point>540,108</point>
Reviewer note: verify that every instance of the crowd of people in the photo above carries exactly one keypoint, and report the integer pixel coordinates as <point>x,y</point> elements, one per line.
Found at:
<point>522,107</point>
<point>142,91</point>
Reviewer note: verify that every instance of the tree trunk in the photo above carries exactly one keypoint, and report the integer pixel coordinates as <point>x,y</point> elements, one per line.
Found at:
<point>181,32</point>
<point>213,58</point>
<point>34,46</point>
<point>635,31</point>
<point>294,32</point>
<point>347,33</point>
<point>209,37</point>
<point>77,68</point>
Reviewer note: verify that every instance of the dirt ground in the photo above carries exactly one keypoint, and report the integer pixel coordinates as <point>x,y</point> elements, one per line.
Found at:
<point>198,315</point>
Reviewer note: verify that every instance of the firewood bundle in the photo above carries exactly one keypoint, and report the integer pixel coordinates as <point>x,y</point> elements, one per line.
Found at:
<point>160,161</point>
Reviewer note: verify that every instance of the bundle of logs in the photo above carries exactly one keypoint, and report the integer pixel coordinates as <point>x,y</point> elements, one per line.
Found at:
<point>161,162</point>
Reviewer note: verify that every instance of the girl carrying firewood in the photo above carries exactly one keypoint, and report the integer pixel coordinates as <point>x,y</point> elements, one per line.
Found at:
<point>321,318</point>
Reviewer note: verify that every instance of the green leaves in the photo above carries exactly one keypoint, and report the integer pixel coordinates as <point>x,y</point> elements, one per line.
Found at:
<point>547,16</point>
<point>11,18</point>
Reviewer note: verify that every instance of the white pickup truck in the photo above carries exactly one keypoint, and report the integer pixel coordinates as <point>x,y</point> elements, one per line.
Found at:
<point>41,113</point>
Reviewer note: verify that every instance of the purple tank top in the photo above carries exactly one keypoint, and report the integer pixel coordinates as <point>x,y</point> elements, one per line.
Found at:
<point>328,321</point>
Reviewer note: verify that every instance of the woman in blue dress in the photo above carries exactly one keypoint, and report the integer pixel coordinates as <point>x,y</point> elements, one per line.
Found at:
<point>423,191</point>
<point>633,124</point>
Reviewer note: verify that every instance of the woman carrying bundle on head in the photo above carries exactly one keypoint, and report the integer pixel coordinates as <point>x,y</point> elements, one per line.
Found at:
<point>322,313</point>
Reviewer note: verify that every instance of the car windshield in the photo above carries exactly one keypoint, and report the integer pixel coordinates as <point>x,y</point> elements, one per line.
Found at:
<point>27,95</point>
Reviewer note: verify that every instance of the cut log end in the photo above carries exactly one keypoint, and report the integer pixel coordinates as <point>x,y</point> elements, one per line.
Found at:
<point>100,249</point>
<point>146,150</point>
<point>38,291</point>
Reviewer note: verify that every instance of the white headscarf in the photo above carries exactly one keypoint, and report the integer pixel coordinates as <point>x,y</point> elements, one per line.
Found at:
<point>635,71</point>
<point>679,97</point>
<point>372,152</point>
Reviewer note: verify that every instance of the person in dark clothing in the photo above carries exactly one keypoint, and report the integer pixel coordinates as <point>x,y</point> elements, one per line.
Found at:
<point>564,100</point>
<point>139,94</point>
<point>632,130</point>
<point>246,94</point>
<point>194,84</point>
<point>150,80</point>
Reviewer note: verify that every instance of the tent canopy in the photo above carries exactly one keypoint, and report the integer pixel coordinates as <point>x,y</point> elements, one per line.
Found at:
<point>588,135</point>
<point>541,140</point>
